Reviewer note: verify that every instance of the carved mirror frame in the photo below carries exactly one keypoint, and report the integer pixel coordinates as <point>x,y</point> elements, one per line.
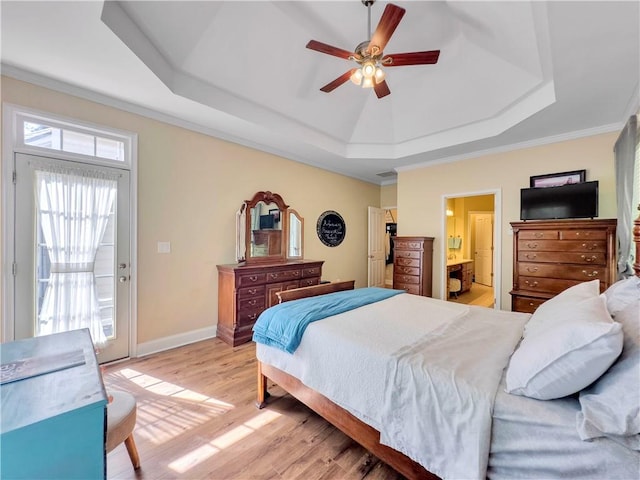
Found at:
<point>272,254</point>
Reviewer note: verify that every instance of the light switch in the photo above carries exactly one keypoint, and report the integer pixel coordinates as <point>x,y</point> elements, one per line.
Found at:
<point>164,247</point>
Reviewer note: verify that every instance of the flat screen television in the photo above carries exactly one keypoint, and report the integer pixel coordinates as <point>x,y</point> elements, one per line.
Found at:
<point>574,200</point>
<point>266,221</point>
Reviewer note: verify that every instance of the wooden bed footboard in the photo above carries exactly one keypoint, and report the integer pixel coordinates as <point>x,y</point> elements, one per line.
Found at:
<point>359,431</point>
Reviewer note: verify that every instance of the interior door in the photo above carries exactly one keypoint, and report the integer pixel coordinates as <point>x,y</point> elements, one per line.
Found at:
<point>483,254</point>
<point>376,249</point>
<point>35,271</point>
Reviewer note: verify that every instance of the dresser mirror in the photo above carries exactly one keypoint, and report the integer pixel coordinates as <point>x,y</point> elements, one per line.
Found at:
<point>268,231</point>
<point>296,235</point>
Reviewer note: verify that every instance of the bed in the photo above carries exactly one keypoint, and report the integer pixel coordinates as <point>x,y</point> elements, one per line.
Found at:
<point>429,413</point>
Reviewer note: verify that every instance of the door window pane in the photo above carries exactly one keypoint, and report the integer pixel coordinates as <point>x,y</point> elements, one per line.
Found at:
<point>75,142</point>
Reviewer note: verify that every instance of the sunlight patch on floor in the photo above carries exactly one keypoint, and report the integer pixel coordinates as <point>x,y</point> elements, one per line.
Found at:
<point>171,409</point>
<point>206,451</point>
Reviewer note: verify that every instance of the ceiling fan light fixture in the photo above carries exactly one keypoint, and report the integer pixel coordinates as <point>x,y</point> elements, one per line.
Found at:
<point>367,82</point>
<point>368,69</point>
<point>356,76</point>
<point>379,75</point>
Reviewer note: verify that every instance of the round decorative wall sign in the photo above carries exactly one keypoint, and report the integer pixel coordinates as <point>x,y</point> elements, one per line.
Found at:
<point>331,228</point>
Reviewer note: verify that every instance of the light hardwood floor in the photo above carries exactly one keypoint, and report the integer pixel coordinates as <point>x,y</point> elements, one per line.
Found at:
<point>197,420</point>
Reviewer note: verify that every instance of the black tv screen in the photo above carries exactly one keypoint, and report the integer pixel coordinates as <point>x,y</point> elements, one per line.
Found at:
<point>266,221</point>
<point>574,200</point>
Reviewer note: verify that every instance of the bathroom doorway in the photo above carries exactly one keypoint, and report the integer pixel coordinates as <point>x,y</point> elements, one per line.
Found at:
<point>470,249</point>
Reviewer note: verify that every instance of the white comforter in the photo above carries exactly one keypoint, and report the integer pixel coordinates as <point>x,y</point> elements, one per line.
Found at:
<point>440,392</point>
<point>421,371</point>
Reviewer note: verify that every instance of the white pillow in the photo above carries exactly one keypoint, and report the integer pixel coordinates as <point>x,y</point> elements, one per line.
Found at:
<point>611,406</point>
<point>561,306</point>
<point>568,354</point>
<point>621,294</point>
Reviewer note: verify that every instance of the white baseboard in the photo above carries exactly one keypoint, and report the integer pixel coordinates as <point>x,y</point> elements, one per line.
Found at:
<point>173,341</point>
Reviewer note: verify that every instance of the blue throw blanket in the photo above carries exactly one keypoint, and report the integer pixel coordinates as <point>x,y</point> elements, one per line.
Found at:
<point>283,325</point>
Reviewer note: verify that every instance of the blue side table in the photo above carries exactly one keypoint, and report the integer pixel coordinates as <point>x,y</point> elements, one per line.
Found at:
<point>52,424</point>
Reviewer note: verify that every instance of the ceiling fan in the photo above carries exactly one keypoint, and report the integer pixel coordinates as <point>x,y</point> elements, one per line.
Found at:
<point>370,57</point>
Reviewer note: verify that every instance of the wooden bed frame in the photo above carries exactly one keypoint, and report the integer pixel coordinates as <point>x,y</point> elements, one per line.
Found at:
<point>359,431</point>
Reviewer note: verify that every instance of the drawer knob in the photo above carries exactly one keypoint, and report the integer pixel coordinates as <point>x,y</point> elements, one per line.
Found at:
<point>252,302</point>
<point>531,284</point>
<point>539,234</point>
<point>253,278</point>
<point>592,247</point>
<point>532,269</point>
<point>592,274</point>
<point>592,258</point>
<point>253,291</point>
<point>532,245</point>
<point>296,273</point>
<point>252,316</point>
<point>531,255</point>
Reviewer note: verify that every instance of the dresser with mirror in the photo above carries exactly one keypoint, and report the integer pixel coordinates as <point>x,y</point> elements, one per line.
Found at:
<point>270,259</point>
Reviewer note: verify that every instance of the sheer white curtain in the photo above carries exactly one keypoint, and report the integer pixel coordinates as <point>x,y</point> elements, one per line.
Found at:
<point>625,152</point>
<point>73,209</point>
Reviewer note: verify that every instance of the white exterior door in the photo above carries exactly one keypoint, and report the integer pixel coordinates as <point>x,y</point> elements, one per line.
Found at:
<point>376,250</point>
<point>59,204</point>
<point>483,254</point>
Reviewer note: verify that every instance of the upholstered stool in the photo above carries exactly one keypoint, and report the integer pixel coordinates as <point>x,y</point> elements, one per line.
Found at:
<point>121,420</point>
<point>455,285</point>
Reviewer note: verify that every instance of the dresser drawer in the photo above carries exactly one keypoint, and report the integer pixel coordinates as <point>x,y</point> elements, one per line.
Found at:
<point>548,285</point>
<point>308,282</point>
<point>249,316</point>
<point>583,234</point>
<point>409,288</point>
<point>571,272</point>
<point>539,235</point>
<point>407,262</point>
<point>311,272</point>
<point>251,303</point>
<point>526,304</point>
<point>597,258</point>
<point>563,245</point>
<point>402,279</point>
<point>408,245</point>
<point>406,270</point>
<point>247,279</point>
<point>257,291</point>
<point>407,254</point>
<point>284,275</point>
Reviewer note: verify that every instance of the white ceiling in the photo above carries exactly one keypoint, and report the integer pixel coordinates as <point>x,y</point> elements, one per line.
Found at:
<point>510,74</point>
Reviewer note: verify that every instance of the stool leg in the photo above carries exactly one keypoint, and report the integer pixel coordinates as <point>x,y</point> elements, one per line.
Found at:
<point>133,451</point>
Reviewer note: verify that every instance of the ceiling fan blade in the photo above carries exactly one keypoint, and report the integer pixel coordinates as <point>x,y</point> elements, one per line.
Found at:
<point>412,58</point>
<point>329,87</point>
<point>329,50</point>
<point>381,89</point>
<point>388,22</point>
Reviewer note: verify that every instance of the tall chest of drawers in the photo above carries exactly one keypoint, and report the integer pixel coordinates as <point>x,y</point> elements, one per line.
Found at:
<point>551,256</point>
<point>413,265</point>
<point>245,291</point>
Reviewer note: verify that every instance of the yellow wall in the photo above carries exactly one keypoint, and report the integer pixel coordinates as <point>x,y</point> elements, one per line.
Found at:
<point>421,191</point>
<point>389,195</point>
<point>189,188</point>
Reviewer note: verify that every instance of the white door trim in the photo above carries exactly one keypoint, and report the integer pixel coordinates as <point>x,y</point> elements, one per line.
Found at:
<point>497,241</point>
<point>10,147</point>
